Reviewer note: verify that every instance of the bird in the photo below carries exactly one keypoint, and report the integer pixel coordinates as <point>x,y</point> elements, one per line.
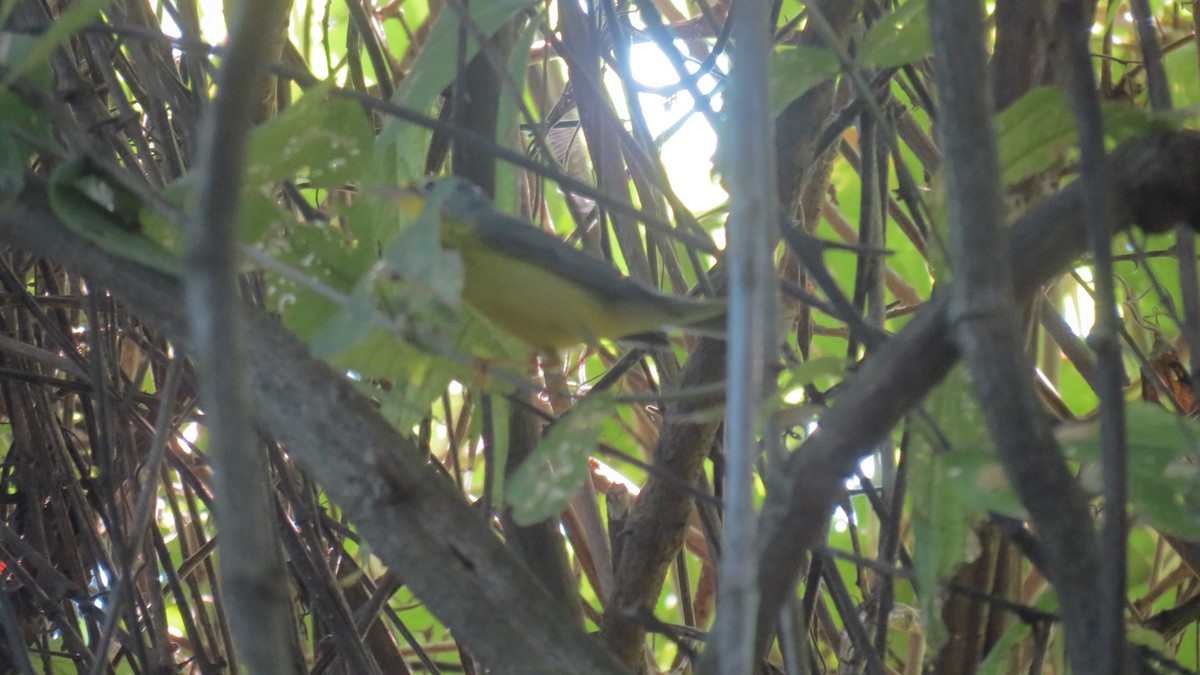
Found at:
<point>540,289</point>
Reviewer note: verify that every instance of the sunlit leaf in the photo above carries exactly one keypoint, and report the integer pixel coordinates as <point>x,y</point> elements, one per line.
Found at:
<point>812,370</point>
<point>1143,636</point>
<point>501,424</point>
<point>508,117</point>
<point>336,254</point>
<point>435,67</point>
<point>1181,74</point>
<point>405,406</point>
<point>318,254</point>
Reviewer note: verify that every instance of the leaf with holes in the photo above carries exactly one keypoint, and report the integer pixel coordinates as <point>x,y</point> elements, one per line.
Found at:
<point>327,142</point>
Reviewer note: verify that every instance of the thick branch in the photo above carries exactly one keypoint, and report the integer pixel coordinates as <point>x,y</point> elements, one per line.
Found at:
<point>655,531</point>
<point>989,335</point>
<point>1099,635</point>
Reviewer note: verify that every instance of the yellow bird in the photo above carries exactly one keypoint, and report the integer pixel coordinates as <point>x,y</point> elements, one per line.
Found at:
<point>541,290</point>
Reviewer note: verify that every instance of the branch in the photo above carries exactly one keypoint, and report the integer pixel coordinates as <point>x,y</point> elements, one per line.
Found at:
<point>656,527</point>
<point>753,347</point>
<point>1156,180</point>
<point>252,573</point>
<point>989,335</point>
<point>415,520</point>
<point>654,533</point>
<point>1100,637</point>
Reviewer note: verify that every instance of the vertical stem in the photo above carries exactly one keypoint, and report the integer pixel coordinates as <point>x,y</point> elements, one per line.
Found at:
<point>252,574</point>
<point>753,218</point>
<point>1075,19</point>
<point>983,313</point>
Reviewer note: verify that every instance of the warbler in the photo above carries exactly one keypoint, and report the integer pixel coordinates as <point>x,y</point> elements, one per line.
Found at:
<point>543,291</point>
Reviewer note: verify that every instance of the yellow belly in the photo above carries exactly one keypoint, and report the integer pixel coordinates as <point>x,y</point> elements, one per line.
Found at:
<point>542,308</point>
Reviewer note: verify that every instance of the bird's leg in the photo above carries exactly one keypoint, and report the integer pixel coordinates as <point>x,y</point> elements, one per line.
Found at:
<point>556,382</point>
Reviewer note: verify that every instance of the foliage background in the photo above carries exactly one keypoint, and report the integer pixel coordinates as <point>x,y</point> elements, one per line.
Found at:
<point>107,538</point>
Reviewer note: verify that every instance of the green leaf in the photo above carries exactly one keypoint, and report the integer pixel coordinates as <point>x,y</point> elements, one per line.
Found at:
<point>819,368</point>
<point>434,70</point>
<point>259,214</point>
<point>1164,465</point>
<point>15,115</point>
<point>417,254</point>
<point>501,422</point>
<point>1123,122</point>
<point>105,213</point>
<point>1146,637</point>
<point>404,406</point>
<point>897,38</point>
<point>977,478</point>
<point>1181,74</point>
<point>435,66</point>
<point>375,352</point>
<point>999,658</point>
<point>941,535</point>
<point>544,484</point>
<point>1034,132</point>
<point>1038,129</point>
<point>941,518</point>
<point>327,141</point>
<point>509,115</point>
<point>334,256</point>
<point>351,341</point>
<point>158,226</point>
<point>795,71</point>
<point>16,48</point>
<point>348,326</point>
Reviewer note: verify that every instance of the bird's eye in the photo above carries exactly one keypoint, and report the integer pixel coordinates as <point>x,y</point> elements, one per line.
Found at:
<point>429,185</point>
